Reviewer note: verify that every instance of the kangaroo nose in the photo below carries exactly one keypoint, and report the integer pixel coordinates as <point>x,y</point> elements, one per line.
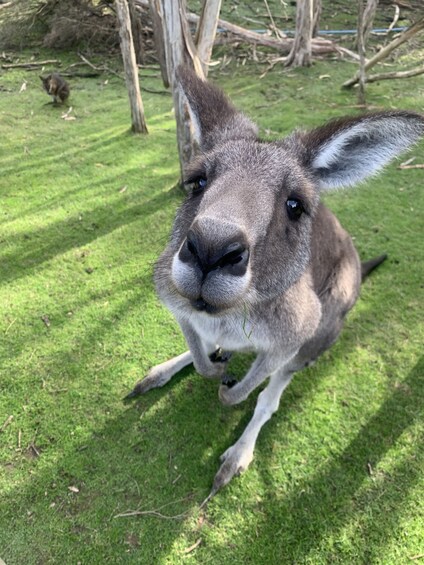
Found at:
<point>233,254</point>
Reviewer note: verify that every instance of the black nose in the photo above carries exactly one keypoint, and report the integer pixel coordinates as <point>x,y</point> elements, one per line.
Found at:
<point>210,255</point>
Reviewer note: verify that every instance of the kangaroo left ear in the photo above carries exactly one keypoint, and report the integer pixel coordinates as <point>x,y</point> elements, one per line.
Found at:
<point>215,119</point>
<point>346,151</point>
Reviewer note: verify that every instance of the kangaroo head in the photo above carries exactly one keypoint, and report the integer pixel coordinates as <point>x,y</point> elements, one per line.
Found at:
<point>46,82</point>
<point>244,232</point>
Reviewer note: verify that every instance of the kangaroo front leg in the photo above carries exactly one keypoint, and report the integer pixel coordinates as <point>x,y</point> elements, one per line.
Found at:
<point>161,374</point>
<point>239,456</point>
<point>207,361</point>
<point>263,366</point>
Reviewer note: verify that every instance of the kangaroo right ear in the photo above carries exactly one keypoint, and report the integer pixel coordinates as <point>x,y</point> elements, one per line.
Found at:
<point>215,119</point>
<point>346,151</point>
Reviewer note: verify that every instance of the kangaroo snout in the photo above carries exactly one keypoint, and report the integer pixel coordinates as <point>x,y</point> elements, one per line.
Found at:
<point>210,255</point>
<point>211,267</point>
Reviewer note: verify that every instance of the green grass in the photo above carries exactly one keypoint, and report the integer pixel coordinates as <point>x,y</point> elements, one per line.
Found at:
<point>85,209</point>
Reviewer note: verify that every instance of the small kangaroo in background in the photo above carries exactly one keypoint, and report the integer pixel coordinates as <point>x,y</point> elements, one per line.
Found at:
<point>255,262</point>
<point>56,86</point>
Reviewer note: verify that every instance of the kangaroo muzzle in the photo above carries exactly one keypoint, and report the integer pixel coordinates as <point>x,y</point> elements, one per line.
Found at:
<point>211,267</point>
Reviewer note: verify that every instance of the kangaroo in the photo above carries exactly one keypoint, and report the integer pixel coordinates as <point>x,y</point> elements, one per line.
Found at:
<point>56,86</point>
<point>255,262</point>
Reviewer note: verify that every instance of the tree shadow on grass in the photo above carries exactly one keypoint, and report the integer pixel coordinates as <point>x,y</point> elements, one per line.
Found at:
<point>140,288</point>
<point>47,155</point>
<point>112,467</point>
<point>161,453</point>
<point>323,504</point>
<point>44,244</point>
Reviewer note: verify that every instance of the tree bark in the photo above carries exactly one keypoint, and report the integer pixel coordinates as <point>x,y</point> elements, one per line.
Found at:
<point>206,31</point>
<point>317,17</point>
<point>180,50</point>
<point>136,32</point>
<point>156,13</point>
<point>369,15</point>
<point>301,52</point>
<point>369,9</point>
<point>130,67</point>
<point>361,52</point>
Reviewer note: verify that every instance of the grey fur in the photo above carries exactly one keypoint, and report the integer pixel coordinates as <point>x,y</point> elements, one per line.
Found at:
<point>287,288</point>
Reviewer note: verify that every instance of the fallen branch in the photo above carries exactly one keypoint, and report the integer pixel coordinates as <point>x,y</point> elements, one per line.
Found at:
<point>89,74</point>
<point>319,46</point>
<point>385,51</point>
<point>346,51</point>
<point>192,547</point>
<point>150,513</point>
<point>31,65</point>
<point>6,423</point>
<point>418,166</point>
<point>152,91</point>
<point>154,513</point>
<point>103,68</point>
<point>396,74</point>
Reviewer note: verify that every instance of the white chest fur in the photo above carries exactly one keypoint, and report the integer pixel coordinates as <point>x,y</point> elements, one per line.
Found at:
<point>233,332</point>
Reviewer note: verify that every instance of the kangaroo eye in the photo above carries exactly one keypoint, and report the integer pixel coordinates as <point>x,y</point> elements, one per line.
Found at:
<point>198,185</point>
<point>294,209</point>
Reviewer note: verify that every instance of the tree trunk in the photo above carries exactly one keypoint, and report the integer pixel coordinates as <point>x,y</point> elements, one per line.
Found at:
<point>136,32</point>
<point>301,52</point>
<point>206,31</point>
<point>361,53</point>
<point>130,67</point>
<point>317,17</point>
<point>180,50</point>
<point>369,15</point>
<point>156,14</point>
<point>369,9</point>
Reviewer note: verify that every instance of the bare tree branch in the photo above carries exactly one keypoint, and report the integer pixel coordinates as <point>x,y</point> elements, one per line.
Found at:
<point>396,74</point>
<point>386,50</point>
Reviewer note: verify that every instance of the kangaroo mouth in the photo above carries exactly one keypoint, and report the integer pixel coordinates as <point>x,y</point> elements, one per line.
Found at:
<point>202,306</point>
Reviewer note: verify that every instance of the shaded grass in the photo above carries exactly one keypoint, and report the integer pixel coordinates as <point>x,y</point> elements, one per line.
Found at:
<point>86,207</point>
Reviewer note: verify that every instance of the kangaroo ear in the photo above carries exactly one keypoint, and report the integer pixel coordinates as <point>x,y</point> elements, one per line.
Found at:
<point>215,119</point>
<point>346,151</point>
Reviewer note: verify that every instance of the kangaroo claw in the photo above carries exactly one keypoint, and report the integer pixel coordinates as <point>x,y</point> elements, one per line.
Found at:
<point>228,381</point>
<point>220,356</point>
